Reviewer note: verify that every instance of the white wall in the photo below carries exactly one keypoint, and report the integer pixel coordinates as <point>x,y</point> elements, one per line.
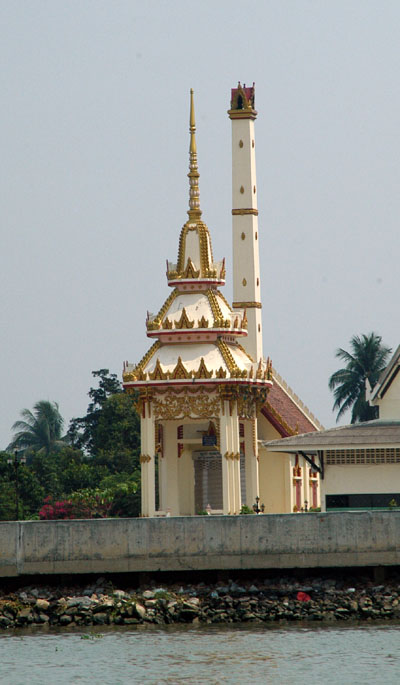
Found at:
<point>389,405</point>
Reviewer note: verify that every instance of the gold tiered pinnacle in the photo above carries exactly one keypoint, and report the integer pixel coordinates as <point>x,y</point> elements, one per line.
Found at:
<point>193,175</point>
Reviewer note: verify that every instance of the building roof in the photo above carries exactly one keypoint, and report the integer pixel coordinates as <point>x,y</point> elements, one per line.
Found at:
<point>370,434</point>
<point>286,411</point>
<point>387,377</point>
<point>196,329</point>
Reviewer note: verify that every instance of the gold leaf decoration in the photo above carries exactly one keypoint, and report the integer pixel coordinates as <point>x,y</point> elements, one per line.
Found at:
<point>179,371</point>
<point>202,371</point>
<point>134,374</point>
<point>158,374</point>
<point>186,405</point>
<point>184,321</point>
<point>190,271</point>
<point>203,322</point>
<point>156,323</point>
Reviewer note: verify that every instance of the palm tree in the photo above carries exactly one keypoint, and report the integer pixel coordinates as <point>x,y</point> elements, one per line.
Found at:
<point>40,430</point>
<point>367,359</point>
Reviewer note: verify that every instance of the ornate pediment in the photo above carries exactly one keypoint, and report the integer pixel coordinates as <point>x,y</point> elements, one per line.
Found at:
<point>184,321</point>
<point>190,271</point>
<point>167,324</point>
<point>202,371</point>
<point>158,374</point>
<point>179,371</point>
<point>186,403</point>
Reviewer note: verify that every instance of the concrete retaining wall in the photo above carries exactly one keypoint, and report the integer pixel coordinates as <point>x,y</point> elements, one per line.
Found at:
<point>196,543</point>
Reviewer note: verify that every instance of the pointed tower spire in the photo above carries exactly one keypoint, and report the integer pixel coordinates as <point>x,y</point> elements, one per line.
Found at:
<point>193,175</point>
<point>195,258</point>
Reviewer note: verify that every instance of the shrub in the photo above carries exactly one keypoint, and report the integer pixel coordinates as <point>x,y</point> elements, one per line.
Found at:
<point>246,510</point>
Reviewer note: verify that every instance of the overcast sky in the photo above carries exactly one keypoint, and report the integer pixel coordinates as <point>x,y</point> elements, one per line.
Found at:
<point>94,147</point>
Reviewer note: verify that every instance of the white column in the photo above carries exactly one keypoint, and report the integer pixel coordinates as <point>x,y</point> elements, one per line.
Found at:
<point>161,482</point>
<point>162,474</point>
<point>237,499</point>
<point>246,260</point>
<point>147,461</point>
<point>306,483</point>
<point>224,444</point>
<point>143,462</point>
<point>251,461</point>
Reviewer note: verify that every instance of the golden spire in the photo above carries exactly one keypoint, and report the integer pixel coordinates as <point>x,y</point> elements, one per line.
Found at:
<point>193,175</point>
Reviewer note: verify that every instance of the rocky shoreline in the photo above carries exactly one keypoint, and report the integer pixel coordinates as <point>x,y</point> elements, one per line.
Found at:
<point>273,600</point>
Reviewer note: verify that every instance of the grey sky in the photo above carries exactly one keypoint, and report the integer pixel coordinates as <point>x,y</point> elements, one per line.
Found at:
<point>94,129</point>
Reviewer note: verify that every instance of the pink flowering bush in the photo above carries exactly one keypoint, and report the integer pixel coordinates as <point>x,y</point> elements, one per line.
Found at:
<point>80,505</point>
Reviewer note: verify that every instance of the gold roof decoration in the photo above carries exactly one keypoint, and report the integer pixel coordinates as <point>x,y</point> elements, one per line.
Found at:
<point>260,370</point>
<point>134,374</point>
<point>196,329</point>
<point>158,374</point>
<point>196,361</point>
<point>194,310</point>
<point>227,357</point>
<point>242,97</point>
<point>202,371</point>
<point>184,322</point>
<point>215,308</point>
<point>153,323</point>
<point>242,102</point>
<point>180,371</point>
<point>167,324</point>
<point>195,258</point>
<point>193,175</point>
<point>190,271</point>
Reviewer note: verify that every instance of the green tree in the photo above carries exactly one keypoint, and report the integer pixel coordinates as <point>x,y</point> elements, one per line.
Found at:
<point>97,460</point>
<point>30,492</point>
<point>38,431</point>
<point>84,432</point>
<point>367,359</point>
<point>110,435</point>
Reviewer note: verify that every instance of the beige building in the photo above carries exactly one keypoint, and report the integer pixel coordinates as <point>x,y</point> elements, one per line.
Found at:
<point>206,395</point>
<point>386,394</point>
<point>359,465</point>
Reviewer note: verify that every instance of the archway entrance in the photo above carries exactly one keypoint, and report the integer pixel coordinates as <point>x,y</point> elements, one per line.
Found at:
<point>208,480</point>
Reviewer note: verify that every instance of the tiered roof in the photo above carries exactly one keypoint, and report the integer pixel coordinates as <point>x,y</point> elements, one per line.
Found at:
<point>196,330</point>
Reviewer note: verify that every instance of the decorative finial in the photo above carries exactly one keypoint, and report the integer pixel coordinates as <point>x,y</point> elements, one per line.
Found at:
<point>193,175</point>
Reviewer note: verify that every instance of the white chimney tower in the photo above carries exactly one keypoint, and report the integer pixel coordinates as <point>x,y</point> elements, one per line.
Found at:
<point>246,261</point>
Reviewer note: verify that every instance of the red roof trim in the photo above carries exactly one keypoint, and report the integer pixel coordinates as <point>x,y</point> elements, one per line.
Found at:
<point>274,422</point>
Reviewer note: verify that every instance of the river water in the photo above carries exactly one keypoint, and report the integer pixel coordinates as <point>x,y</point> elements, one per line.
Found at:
<point>349,655</point>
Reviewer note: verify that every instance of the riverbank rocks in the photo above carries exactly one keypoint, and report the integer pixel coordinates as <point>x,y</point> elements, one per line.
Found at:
<point>272,600</point>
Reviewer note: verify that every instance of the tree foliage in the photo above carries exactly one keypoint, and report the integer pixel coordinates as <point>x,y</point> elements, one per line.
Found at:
<point>86,432</point>
<point>366,360</point>
<point>38,431</point>
<point>93,471</point>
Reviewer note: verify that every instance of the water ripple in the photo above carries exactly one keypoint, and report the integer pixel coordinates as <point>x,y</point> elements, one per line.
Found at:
<point>349,655</point>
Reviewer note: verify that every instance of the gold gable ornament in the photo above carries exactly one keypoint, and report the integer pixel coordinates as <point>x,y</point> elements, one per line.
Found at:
<point>202,371</point>
<point>167,324</point>
<point>184,321</point>
<point>179,372</point>
<point>158,374</point>
<point>190,271</point>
